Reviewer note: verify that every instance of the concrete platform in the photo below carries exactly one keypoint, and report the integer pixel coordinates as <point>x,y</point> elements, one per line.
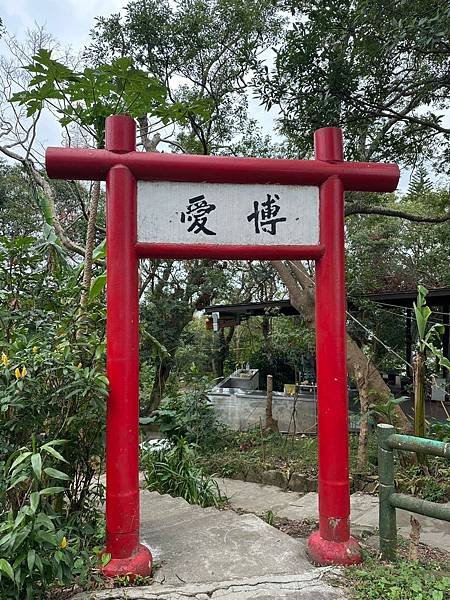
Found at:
<point>209,553</point>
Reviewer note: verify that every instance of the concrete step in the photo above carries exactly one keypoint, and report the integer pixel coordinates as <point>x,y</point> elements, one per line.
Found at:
<point>307,586</point>
<point>258,498</point>
<point>201,545</point>
<point>209,553</point>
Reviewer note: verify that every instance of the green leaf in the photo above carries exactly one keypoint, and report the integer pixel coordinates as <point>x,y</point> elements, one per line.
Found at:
<point>105,558</point>
<point>444,362</point>
<point>34,501</point>
<point>99,251</point>
<point>36,463</point>
<point>56,474</point>
<point>19,460</point>
<point>97,286</point>
<point>39,564</point>
<point>31,559</point>
<point>6,568</point>
<point>51,490</point>
<point>422,294</point>
<point>54,453</point>
<point>16,481</point>
<point>421,313</point>
<point>55,443</point>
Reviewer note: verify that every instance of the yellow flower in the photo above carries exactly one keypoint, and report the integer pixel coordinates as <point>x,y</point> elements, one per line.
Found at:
<point>34,349</point>
<point>17,373</point>
<point>63,543</point>
<point>5,360</point>
<point>24,371</point>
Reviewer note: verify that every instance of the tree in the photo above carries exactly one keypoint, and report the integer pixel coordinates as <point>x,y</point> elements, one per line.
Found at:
<point>210,46</point>
<point>379,69</point>
<point>420,252</point>
<point>86,98</point>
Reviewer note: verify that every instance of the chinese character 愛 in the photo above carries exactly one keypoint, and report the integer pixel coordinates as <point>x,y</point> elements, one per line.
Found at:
<point>197,215</point>
<point>266,216</point>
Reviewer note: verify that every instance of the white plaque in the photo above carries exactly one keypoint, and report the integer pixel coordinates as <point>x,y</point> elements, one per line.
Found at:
<point>227,213</point>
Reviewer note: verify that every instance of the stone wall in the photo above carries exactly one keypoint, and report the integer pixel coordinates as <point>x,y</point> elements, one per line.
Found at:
<point>243,410</point>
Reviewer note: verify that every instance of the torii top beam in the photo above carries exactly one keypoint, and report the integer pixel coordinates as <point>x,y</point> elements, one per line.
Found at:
<point>87,164</point>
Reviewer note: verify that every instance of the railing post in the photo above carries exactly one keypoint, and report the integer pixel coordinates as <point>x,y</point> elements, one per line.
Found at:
<point>387,518</point>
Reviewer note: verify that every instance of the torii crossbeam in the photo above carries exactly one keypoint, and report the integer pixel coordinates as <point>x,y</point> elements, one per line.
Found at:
<point>122,168</point>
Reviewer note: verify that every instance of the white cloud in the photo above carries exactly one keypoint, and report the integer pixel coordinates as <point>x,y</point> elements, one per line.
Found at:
<point>69,20</point>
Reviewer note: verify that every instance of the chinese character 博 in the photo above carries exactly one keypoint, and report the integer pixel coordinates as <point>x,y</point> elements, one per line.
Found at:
<point>266,216</point>
<point>197,215</point>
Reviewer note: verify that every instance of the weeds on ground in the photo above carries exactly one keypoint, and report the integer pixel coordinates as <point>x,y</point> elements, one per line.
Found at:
<point>404,580</point>
<point>238,452</point>
<point>175,471</point>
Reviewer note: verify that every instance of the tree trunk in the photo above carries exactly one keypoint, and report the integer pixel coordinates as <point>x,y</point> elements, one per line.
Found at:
<point>414,539</point>
<point>271,423</point>
<point>361,460</point>
<point>419,394</point>
<point>372,386</point>
<point>90,244</point>
<point>159,384</point>
<point>222,350</point>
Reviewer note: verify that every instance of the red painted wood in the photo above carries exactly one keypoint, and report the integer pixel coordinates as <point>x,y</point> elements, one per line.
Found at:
<point>120,165</point>
<point>223,251</point>
<point>334,488</point>
<point>76,163</point>
<point>122,333</point>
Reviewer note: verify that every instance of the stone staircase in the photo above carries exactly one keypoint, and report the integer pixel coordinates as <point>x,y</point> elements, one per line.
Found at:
<point>205,553</point>
<point>259,499</point>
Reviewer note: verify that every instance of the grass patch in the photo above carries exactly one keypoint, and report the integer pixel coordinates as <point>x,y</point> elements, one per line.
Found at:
<point>175,471</point>
<point>403,580</point>
<point>238,453</point>
<point>428,578</point>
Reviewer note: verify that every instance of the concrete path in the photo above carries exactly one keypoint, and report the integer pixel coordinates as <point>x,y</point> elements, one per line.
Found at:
<point>209,553</point>
<point>258,498</point>
<point>219,554</point>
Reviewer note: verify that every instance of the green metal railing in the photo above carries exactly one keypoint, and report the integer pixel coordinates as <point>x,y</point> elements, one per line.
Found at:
<point>388,441</point>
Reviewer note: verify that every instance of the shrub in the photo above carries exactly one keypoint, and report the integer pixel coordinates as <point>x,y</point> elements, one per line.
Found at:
<point>175,471</point>
<point>401,581</point>
<point>38,548</point>
<point>52,380</point>
<point>190,416</point>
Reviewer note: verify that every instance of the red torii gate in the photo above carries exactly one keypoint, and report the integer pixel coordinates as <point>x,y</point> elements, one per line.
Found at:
<point>121,166</point>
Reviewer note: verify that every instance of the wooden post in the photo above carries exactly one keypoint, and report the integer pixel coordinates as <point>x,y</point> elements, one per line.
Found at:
<point>271,423</point>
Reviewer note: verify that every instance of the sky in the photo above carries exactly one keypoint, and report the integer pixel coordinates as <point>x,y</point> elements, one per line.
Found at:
<point>68,20</point>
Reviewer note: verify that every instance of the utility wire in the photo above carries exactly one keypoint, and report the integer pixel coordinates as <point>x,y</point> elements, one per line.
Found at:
<point>371,333</point>
<point>437,312</point>
<point>389,312</point>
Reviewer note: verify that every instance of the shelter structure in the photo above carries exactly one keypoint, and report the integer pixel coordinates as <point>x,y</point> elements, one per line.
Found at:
<point>437,299</point>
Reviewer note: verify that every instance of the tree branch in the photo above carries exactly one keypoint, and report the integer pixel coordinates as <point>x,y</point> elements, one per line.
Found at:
<point>355,209</point>
<point>39,180</point>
